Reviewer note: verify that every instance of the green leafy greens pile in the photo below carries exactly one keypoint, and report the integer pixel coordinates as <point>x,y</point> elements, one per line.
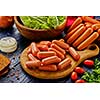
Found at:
<point>42,22</point>
<point>94,76</point>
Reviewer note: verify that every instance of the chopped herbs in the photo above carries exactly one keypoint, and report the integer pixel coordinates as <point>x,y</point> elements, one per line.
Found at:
<point>42,22</point>
<point>93,76</point>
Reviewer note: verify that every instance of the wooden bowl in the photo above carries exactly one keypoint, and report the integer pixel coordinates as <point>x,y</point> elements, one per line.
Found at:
<point>39,34</point>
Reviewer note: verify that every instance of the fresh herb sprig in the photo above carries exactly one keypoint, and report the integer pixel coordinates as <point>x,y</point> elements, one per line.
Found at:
<point>94,76</point>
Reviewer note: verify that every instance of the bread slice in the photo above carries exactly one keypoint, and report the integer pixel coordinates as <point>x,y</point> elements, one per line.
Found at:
<point>4,71</point>
<point>4,62</point>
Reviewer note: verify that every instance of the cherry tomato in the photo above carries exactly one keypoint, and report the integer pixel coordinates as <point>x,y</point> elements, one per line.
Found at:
<point>80,81</point>
<point>89,63</point>
<point>79,70</point>
<point>74,76</point>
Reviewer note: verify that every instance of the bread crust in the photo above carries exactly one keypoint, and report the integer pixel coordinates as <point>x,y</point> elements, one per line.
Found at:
<point>4,62</point>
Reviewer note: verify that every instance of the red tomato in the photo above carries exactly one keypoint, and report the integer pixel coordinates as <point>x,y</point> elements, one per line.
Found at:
<point>80,81</point>
<point>79,70</point>
<point>89,63</point>
<point>74,76</point>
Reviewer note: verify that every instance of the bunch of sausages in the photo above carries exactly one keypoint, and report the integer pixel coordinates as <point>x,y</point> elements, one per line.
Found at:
<point>50,56</point>
<point>83,32</point>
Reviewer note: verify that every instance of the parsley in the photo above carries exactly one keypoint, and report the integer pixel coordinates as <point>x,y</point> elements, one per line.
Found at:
<point>94,76</point>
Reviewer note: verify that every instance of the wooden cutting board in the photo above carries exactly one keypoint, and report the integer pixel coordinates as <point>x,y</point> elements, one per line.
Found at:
<point>91,51</point>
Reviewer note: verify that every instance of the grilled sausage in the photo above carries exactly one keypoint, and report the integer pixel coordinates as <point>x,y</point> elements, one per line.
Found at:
<point>59,54</point>
<point>74,53</point>
<point>83,37</point>
<point>35,50</point>
<point>62,40</point>
<point>29,50</point>
<point>99,31</point>
<point>58,48</point>
<point>75,23</point>
<point>50,60</point>
<point>89,19</point>
<point>48,43</point>
<point>72,32</point>
<point>96,26</point>
<point>31,57</point>
<point>88,25</point>
<point>76,35</point>
<point>63,64</point>
<point>33,64</point>
<point>44,54</point>
<point>48,68</point>
<point>88,41</point>
<point>42,47</point>
<point>61,44</point>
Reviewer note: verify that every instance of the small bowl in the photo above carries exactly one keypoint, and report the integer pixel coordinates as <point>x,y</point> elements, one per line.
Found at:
<point>39,34</point>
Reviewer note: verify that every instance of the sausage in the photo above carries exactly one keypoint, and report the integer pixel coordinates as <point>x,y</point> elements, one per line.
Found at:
<point>96,26</point>
<point>89,19</point>
<point>71,32</point>
<point>74,53</point>
<point>35,50</point>
<point>48,43</point>
<point>88,25</point>
<point>99,31</point>
<point>83,37</point>
<point>59,54</point>
<point>33,64</point>
<point>63,64</point>
<point>76,35</point>
<point>51,60</point>
<point>29,50</point>
<point>88,41</point>
<point>31,57</point>
<point>62,40</point>
<point>42,47</point>
<point>58,48</point>
<point>61,44</point>
<point>75,23</point>
<point>44,54</point>
<point>48,68</point>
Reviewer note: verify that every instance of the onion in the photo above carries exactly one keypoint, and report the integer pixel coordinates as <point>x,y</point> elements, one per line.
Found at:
<point>6,21</point>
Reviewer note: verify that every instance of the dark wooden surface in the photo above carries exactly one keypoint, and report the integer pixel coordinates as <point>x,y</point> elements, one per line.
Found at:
<point>16,74</point>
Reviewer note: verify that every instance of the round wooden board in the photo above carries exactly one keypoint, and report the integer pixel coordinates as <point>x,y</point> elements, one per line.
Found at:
<point>58,74</point>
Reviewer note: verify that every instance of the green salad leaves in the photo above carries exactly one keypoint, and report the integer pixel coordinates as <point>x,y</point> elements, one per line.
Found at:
<point>42,22</point>
<point>94,76</point>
